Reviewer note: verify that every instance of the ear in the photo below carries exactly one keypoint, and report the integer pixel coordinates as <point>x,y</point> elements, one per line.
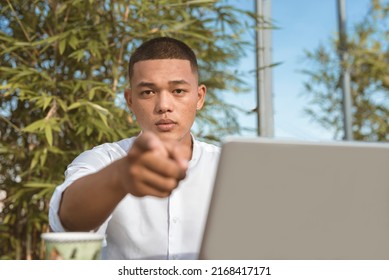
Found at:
<point>128,96</point>
<point>201,93</point>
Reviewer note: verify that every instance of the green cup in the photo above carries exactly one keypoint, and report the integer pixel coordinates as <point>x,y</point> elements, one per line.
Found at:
<point>73,245</point>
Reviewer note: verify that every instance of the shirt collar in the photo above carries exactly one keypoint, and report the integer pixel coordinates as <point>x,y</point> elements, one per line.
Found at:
<point>195,152</point>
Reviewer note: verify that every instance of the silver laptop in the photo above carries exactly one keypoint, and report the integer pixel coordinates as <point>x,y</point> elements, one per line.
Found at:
<point>276,199</point>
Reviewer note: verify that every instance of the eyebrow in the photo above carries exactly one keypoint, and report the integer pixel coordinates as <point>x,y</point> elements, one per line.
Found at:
<point>145,84</point>
<point>178,82</point>
<point>174,82</point>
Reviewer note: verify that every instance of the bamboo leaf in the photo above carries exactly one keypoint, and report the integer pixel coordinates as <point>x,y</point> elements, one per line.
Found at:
<point>49,134</point>
<point>62,46</point>
<point>74,106</point>
<point>89,131</point>
<point>34,160</point>
<point>78,55</point>
<point>48,40</point>
<point>55,150</point>
<point>62,104</point>
<point>73,42</point>
<point>99,108</point>
<point>47,101</point>
<point>37,125</point>
<point>43,157</point>
<point>80,130</point>
<point>22,44</point>
<point>103,118</point>
<point>91,93</point>
<point>39,185</point>
<point>4,37</point>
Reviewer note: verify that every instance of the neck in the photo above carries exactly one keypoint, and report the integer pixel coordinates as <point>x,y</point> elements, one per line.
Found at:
<point>188,144</point>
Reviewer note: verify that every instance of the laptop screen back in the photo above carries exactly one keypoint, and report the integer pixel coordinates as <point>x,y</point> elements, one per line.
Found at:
<point>277,199</point>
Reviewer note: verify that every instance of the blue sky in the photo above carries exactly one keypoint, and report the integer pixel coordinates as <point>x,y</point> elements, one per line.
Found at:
<point>303,25</point>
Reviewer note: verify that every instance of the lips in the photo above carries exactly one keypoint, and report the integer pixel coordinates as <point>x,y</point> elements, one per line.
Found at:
<point>165,125</point>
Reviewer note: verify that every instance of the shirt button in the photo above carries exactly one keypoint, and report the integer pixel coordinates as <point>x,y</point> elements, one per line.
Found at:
<point>175,220</point>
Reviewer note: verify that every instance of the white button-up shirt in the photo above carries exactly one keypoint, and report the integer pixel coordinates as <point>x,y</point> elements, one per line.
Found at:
<point>150,227</point>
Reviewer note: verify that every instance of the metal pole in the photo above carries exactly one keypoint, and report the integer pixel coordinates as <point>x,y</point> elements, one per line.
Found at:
<point>265,120</point>
<point>345,76</point>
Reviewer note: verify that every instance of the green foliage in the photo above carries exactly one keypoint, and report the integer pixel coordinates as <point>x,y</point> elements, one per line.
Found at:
<point>62,76</point>
<point>368,58</point>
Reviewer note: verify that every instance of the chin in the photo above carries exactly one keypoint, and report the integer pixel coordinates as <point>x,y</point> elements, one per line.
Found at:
<point>168,136</point>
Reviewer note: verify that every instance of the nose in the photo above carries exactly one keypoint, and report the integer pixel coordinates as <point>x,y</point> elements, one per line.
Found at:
<point>164,102</point>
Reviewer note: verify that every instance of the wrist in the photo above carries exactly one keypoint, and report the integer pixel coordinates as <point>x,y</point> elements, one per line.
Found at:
<point>117,172</point>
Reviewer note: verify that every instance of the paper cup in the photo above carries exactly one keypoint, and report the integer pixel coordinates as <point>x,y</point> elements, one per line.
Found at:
<point>73,245</point>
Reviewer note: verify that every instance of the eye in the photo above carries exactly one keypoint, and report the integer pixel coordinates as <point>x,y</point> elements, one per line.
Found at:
<point>179,91</point>
<point>146,93</point>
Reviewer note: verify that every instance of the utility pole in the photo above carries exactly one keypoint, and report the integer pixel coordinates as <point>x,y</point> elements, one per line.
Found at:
<point>345,75</point>
<point>265,119</point>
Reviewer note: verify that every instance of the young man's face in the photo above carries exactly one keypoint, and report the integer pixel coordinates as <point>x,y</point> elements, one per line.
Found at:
<point>165,96</point>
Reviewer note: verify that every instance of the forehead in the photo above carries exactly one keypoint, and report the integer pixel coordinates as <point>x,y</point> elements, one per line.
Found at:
<point>158,69</point>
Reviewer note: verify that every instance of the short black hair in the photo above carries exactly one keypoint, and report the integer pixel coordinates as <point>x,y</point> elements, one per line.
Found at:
<point>162,48</point>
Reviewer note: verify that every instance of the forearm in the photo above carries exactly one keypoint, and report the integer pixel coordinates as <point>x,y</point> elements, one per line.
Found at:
<point>89,201</point>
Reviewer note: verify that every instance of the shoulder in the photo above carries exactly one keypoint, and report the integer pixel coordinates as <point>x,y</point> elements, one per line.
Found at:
<point>207,147</point>
<point>105,153</point>
<point>205,153</point>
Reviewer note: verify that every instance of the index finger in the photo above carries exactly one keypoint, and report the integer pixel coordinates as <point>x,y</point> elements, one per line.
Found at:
<point>148,141</point>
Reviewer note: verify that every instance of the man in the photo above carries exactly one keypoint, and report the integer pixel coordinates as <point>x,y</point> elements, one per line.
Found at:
<point>148,194</point>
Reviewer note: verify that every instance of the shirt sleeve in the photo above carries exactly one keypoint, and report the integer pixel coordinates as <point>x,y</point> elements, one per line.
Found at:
<point>86,163</point>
